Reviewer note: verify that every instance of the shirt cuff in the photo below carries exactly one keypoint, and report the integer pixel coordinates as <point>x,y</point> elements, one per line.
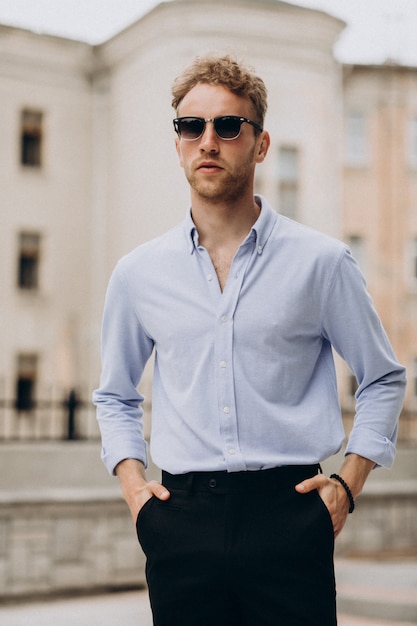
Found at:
<point>372,445</point>
<point>112,458</point>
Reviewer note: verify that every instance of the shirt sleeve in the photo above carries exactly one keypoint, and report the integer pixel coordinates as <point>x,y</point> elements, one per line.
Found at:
<point>354,329</point>
<point>125,351</point>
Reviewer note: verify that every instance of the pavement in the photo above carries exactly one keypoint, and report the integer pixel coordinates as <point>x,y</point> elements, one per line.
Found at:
<point>384,590</point>
<point>370,593</point>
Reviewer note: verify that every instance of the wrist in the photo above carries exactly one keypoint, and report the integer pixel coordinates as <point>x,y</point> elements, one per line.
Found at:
<point>347,490</point>
<point>131,475</point>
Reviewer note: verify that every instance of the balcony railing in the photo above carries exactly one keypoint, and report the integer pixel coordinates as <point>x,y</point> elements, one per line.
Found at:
<point>74,418</point>
<point>67,419</point>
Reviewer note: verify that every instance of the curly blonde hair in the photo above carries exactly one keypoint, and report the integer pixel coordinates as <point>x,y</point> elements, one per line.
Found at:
<point>224,71</point>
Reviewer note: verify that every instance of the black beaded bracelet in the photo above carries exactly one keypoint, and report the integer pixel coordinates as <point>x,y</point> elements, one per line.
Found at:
<point>348,491</point>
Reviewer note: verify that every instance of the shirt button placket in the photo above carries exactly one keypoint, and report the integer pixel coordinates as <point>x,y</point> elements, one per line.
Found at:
<point>227,419</point>
<point>224,348</point>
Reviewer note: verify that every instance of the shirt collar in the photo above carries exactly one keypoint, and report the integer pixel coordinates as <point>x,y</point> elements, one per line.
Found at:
<point>261,230</point>
<point>264,224</point>
<point>191,231</point>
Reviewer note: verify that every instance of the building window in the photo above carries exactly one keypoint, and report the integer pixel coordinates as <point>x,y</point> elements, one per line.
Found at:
<point>414,261</point>
<point>357,247</point>
<point>356,139</point>
<point>27,365</point>
<point>353,386</point>
<point>258,183</point>
<point>351,389</point>
<point>414,379</point>
<point>288,176</point>
<point>410,264</point>
<point>31,138</point>
<point>413,141</point>
<point>28,260</point>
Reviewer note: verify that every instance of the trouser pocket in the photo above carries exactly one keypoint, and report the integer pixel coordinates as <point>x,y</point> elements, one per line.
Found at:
<point>155,522</point>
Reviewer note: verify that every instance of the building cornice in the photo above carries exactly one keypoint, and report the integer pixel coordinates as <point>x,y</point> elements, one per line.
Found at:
<point>268,22</point>
<point>27,55</point>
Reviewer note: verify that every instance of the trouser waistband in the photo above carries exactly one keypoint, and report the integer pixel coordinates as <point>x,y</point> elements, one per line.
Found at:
<point>229,482</point>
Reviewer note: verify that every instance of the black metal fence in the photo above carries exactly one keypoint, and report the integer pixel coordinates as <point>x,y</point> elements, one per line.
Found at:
<point>73,418</point>
<point>68,419</point>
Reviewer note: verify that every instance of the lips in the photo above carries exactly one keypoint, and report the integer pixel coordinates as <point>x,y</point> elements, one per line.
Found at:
<point>209,166</point>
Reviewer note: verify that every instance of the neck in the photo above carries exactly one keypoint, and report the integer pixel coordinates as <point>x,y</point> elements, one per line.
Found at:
<point>222,223</point>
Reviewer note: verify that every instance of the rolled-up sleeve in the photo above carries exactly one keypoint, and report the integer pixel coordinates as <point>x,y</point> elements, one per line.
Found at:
<point>126,348</point>
<point>354,329</point>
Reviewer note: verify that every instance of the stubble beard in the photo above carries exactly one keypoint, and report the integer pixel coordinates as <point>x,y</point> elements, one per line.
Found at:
<point>229,188</point>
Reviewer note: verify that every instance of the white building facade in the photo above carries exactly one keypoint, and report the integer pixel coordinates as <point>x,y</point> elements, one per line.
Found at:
<point>45,217</point>
<point>89,171</point>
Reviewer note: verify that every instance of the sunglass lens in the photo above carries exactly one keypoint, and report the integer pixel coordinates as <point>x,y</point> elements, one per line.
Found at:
<point>191,127</point>
<point>228,127</point>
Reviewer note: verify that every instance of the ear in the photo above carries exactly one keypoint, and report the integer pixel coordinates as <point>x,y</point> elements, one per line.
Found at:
<point>178,149</point>
<point>264,141</point>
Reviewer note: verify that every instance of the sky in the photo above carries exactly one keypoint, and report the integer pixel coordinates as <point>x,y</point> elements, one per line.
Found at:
<point>377,30</point>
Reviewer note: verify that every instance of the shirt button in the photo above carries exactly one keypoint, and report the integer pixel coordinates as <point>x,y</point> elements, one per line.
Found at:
<point>224,319</point>
<point>223,364</point>
<point>210,277</point>
<point>226,410</point>
<point>232,451</point>
<point>212,483</point>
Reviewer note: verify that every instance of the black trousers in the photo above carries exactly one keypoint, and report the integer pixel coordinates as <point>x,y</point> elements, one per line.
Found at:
<point>239,549</point>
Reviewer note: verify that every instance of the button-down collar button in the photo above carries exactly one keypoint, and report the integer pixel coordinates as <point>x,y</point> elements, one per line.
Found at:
<point>260,248</point>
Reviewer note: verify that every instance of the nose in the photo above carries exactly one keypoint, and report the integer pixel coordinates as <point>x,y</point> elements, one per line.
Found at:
<point>209,140</point>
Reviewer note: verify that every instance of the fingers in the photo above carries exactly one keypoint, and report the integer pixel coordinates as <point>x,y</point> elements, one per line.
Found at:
<point>333,497</point>
<point>310,484</point>
<point>139,498</point>
<point>158,490</point>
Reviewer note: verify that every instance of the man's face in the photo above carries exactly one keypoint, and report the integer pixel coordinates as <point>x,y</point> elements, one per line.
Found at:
<point>219,170</point>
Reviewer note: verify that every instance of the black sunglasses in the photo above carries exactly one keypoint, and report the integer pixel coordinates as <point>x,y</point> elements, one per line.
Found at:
<point>227,126</point>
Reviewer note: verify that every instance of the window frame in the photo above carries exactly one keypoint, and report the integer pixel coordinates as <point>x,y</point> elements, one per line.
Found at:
<point>288,180</point>
<point>356,139</point>
<point>27,365</point>
<point>412,142</point>
<point>31,138</point>
<point>28,261</point>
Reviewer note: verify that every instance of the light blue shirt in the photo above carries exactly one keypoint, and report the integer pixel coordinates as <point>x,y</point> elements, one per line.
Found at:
<point>244,379</point>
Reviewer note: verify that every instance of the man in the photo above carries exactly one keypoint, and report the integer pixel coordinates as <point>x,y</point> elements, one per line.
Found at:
<point>241,307</point>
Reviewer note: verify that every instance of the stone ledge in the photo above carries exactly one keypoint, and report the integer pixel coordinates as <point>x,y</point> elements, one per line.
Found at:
<point>56,495</point>
<point>394,488</point>
<point>390,488</point>
<point>85,541</point>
